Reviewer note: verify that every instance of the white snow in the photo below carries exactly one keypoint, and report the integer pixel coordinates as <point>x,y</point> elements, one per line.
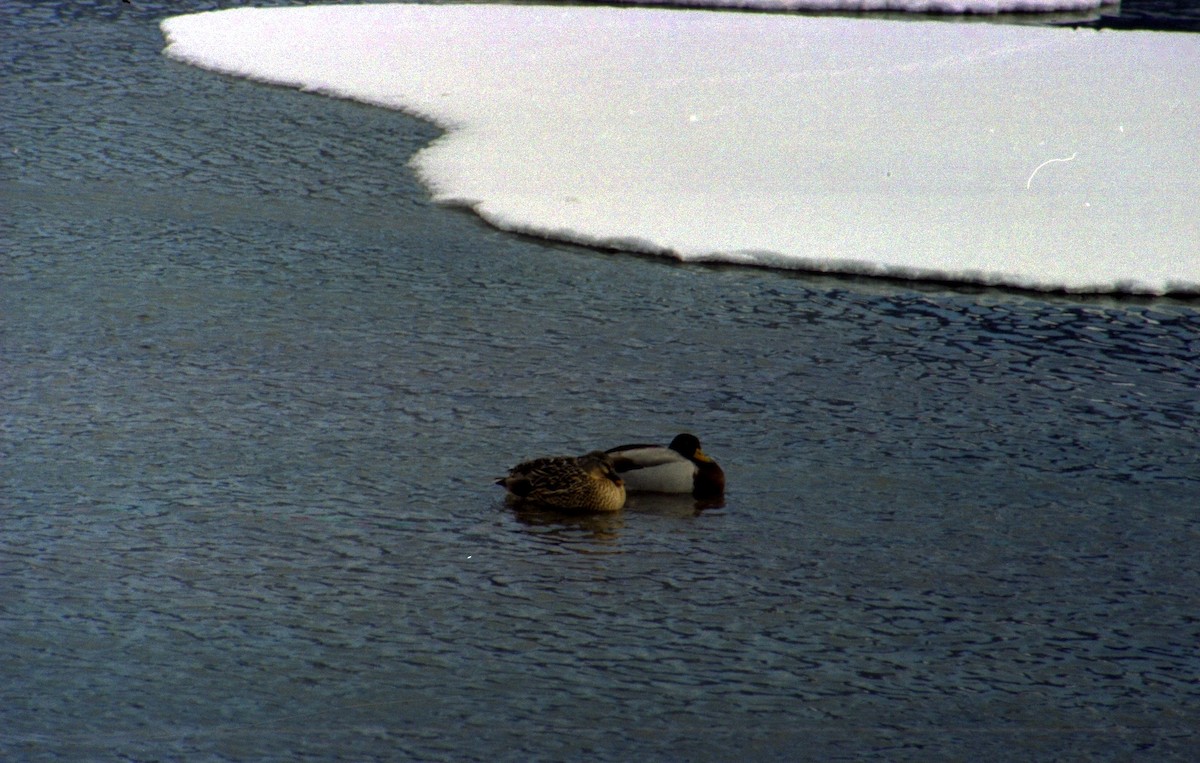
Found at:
<point>1041,158</point>
<point>899,6</point>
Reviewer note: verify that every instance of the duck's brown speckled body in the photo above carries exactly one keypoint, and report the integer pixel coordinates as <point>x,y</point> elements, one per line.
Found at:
<point>568,483</point>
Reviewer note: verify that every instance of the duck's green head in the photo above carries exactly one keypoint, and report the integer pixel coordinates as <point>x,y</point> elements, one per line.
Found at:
<point>688,446</point>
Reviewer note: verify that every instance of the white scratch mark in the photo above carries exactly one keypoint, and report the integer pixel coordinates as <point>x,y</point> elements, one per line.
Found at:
<point>1043,164</point>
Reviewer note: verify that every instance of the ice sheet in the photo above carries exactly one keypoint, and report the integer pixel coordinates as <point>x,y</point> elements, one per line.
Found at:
<point>1034,157</point>
<point>904,6</point>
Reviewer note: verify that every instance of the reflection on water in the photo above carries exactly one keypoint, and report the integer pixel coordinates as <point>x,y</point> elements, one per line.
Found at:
<point>255,390</point>
<point>677,506</point>
<point>600,533</point>
<point>583,533</point>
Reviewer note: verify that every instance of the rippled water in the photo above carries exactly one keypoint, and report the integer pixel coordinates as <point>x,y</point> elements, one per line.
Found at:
<point>255,388</point>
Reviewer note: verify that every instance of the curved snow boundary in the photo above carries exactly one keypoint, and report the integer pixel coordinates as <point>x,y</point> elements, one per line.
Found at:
<point>960,7</point>
<point>1051,159</point>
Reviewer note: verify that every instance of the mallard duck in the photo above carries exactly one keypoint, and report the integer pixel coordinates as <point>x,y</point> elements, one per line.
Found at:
<point>681,467</point>
<point>569,483</point>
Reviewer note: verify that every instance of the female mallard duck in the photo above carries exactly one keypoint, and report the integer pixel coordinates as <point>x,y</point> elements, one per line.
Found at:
<point>569,483</point>
<point>681,467</point>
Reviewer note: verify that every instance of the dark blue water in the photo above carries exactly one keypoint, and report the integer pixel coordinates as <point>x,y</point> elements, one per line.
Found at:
<point>253,388</point>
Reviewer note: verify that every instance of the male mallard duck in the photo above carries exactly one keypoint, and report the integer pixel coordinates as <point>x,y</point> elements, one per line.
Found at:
<point>570,483</point>
<point>681,467</point>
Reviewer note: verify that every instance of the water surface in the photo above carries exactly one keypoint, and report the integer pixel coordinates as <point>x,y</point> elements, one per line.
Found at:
<point>255,388</point>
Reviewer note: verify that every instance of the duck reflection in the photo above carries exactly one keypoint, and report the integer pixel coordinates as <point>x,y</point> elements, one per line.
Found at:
<point>582,532</point>
<point>668,505</point>
<point>572,530</point>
